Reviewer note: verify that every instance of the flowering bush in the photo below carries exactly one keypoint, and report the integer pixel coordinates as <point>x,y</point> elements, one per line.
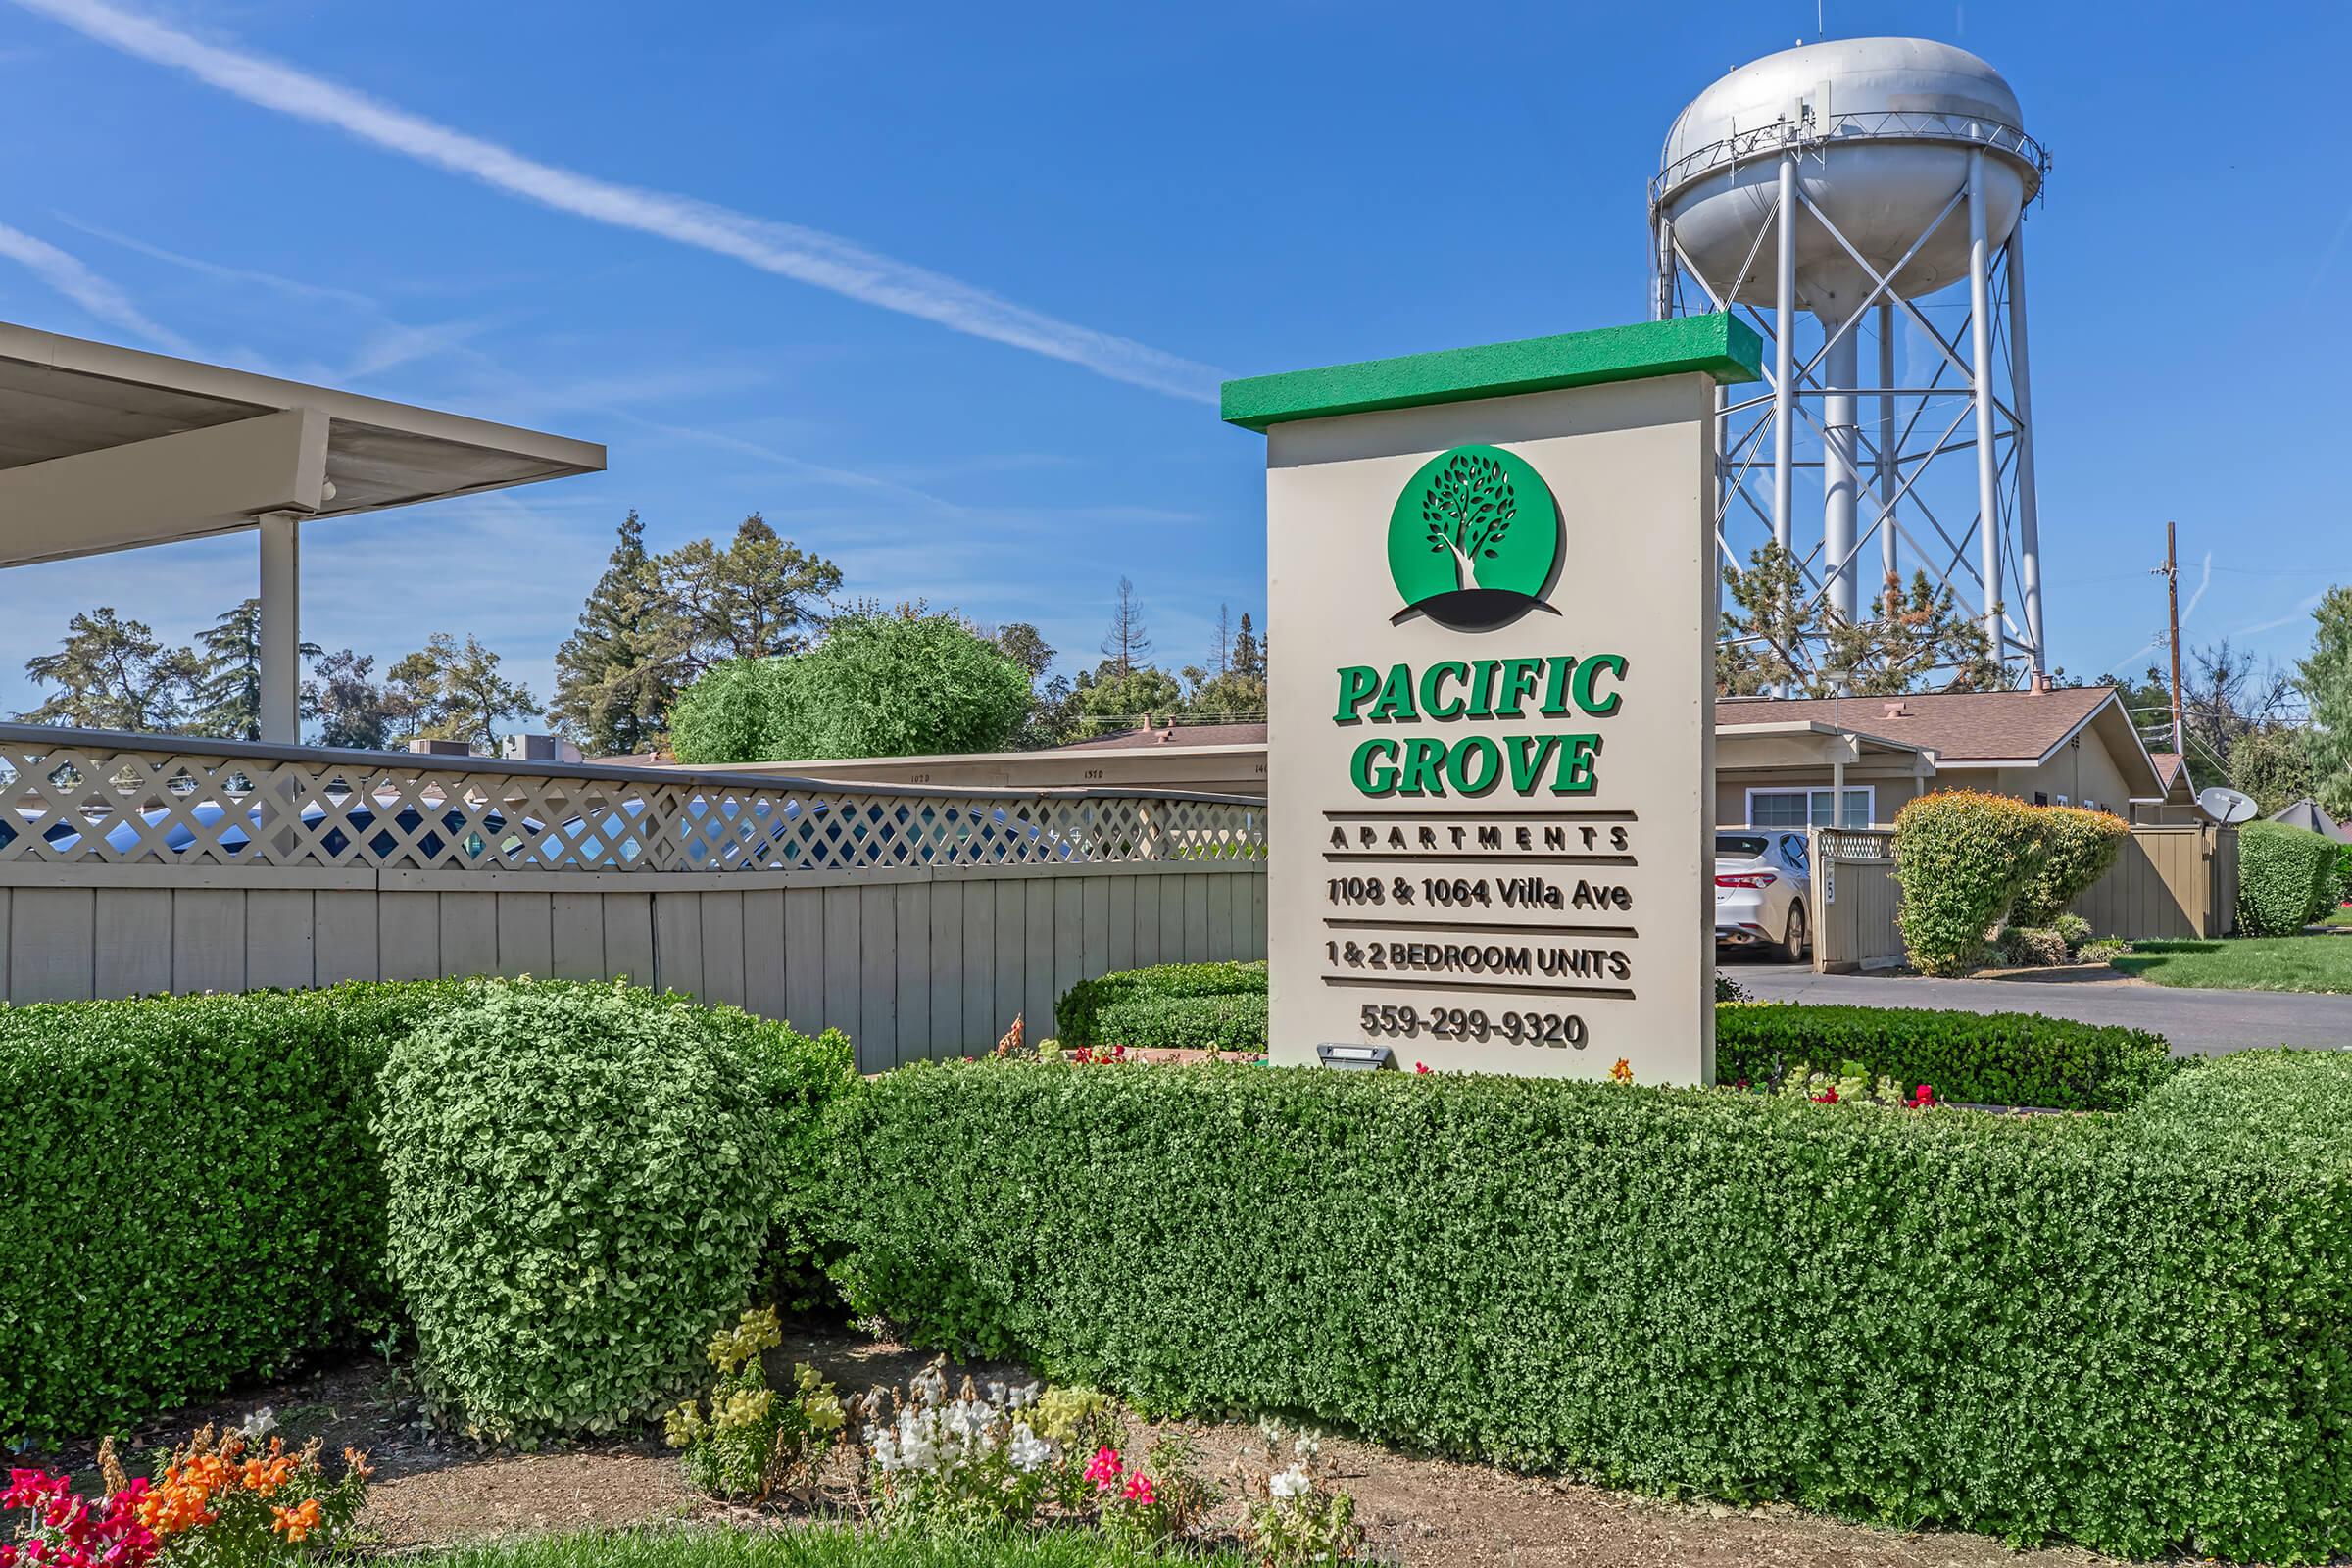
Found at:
<point>965,1460</point>
<point>1852,1084</point>
<point>221,1502</point>
<point>1145,1506</point>
<point>62,1529</point>
<point>751,1442</point>
<point>1295,1515</point>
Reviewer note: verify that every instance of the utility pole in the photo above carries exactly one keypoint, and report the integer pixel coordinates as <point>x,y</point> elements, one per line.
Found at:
<point>2169,572</point>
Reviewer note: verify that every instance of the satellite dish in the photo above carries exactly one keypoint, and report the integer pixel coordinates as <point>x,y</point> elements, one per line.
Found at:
<point>2226,806</point>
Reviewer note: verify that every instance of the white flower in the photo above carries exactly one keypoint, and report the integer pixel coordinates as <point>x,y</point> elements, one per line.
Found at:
<point>1291,1483</point>
<point>1307,1446</point>
<point>996,1394</point>
<point>930,1386</point>
<point>260,1423</point>
<point>1022,1397</point>
<point>1028,1451</point>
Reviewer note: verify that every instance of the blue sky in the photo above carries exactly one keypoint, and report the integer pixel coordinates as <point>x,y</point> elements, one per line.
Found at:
<point>973,273</point>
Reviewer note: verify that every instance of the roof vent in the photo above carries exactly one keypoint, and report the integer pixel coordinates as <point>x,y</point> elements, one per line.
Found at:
<point>1896,710</point>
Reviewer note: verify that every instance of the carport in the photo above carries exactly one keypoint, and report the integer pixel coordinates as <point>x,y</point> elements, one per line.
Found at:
<point>105,447</point>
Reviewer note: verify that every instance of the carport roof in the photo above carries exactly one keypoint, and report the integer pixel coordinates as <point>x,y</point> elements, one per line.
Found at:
<point>66,401</point>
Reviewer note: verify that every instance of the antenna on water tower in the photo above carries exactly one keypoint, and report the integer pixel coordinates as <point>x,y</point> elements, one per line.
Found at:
<point>1902,170</point>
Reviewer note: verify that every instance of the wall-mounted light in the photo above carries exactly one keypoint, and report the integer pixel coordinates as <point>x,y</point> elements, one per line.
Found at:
<point>1357,1058</point>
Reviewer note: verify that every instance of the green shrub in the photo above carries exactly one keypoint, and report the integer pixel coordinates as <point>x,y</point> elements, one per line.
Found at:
<point>2073,930</point>
<point>1962,857</point>
<point>2127,1329</point>
<point>1077,1014</point>
<point>2286,878</point>
<point>2078,847</point>
<point>1999,1058</point>
<point>580,1184</point>
<point>189,1195</point>
<point>2025,946</point>
<point>1728,989</point>
<point>1185,1023</point>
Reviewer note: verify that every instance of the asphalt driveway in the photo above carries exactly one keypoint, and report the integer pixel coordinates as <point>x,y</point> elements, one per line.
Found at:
<point>2196,1022</point>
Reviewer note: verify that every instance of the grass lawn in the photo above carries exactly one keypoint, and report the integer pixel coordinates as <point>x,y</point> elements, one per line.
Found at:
<point>815,1546</point>
<point>2245,964</point>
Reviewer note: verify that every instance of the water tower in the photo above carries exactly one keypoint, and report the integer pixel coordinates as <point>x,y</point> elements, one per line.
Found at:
<point>1868,187</point>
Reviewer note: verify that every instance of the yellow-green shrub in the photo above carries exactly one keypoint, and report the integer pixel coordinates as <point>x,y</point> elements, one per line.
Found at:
<point>1962,857</point>
<point>2078,847</point>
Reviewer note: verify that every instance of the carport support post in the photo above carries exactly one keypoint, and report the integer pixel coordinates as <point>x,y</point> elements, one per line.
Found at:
<point>282,628</point>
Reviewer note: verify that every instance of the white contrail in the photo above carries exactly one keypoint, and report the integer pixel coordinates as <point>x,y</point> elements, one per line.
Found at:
<point>65,273</point>
<point>806,255</point>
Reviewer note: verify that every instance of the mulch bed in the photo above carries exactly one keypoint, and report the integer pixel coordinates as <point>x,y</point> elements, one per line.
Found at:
<point>435,1490</point>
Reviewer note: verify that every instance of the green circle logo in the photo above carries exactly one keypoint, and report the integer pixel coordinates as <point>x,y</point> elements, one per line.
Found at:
<point>1474,539</point>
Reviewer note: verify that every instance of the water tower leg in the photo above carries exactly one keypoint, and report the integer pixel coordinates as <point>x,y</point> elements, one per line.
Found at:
<point>1841,473</point>
<point>2029,517</point>
<point>1784,361</point>
<point>1988,469</point>
<point>1888,481</point>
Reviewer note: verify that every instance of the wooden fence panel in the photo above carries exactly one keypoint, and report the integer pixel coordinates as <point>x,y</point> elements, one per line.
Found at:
<point>2167,882</point>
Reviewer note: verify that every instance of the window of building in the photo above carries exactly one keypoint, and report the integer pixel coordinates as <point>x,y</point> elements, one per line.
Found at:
<point>1809,807</point>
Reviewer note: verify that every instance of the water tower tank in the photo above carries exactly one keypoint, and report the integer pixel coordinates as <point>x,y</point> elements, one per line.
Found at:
<point>1846,182</point>
<point>1894,121</point>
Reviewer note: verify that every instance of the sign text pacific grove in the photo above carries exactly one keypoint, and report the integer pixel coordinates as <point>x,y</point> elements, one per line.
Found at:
<point>1453,690</point>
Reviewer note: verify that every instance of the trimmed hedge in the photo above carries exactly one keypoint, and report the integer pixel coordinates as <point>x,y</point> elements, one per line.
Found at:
<point>1077,1015</point>
<point>1962,857</point>
<point>1236,1022</point>
<point>2126,1330</point>
<point>192,1192</point>
<point>2000,1059</point>
<point>189,1195</point>
<point>2078,847</point>
<point>2286,878</point>
<point>581,1182</point>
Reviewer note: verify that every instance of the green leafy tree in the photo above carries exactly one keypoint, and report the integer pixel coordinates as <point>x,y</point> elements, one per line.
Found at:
<point>616,673</point>
<point>112,673</point>
<point>1052,716</point>
<point>901,682</point>
<point>1227,697</point>
<point>2274,765</point>
<point>2325,678</point>
<point>452,690</point>
<point>1111,700</point>
<point>1774,631</point>
<point>229,691</point>
<point>350,709</point>
<point>1469,507</point>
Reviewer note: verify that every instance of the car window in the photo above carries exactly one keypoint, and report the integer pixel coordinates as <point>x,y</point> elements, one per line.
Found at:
<point>1740,846</point>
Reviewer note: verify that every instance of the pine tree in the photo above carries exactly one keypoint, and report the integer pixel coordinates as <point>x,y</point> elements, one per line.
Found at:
<point>112,673</point>
<point>755,598</point>
<point>1127,641</point>
<point>1223,657</point>
<point>616,674</point>
<point>350,709</point>
<point>1248,654</point>
<point>229,696</point>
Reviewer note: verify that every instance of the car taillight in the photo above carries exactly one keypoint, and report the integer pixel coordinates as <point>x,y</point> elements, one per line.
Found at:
<point>1747,879</point>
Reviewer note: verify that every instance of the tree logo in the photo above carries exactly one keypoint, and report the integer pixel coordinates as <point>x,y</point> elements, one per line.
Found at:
<point>1475,539</point>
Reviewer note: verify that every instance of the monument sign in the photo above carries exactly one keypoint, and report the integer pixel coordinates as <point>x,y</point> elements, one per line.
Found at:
<point>1491,625</point>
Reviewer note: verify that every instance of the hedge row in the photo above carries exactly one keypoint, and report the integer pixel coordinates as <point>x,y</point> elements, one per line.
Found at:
<point>1966,860</point>
<point>2000,1059</point>
<point>1078,1014</point>
<point>2127,1329</point>
<point>1235,1022</point>
<point>2286,878</point>
<point>192,1191</point>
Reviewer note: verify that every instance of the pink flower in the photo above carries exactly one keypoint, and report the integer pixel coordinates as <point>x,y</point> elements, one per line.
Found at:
<point>1420,1067</point>
<point>1105,1471</point>
<point>1137,1490</point>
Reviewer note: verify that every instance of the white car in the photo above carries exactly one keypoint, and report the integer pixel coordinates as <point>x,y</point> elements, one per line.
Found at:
<point>1763,880</point>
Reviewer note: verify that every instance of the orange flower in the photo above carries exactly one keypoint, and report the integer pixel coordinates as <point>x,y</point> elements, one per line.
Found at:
<point>357,1463</point>
<point>296,1523</point>
<point>1623,1072</point>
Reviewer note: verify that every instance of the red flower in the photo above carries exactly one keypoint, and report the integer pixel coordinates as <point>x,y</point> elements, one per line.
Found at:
<point>1137,1490</point>
<point>1420,1067</point>
<point>1105,1471</point>
<point>1828,1097</point>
